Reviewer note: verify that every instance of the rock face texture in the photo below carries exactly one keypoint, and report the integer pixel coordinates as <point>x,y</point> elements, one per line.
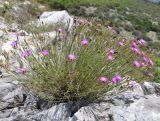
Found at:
<point>11,93</point>
<point>133,105</point>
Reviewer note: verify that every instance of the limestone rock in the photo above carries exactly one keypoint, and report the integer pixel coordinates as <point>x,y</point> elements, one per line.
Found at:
<point>152,35</point>
<point>11,94</point>
<point>59,112</point>
<point>152,88</point>
<point>56,17</point>
<point>144,109</point>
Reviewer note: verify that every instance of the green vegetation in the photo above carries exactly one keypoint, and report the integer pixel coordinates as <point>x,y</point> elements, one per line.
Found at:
<point>80,65</point>
<point>141,14</point>
<point>143,17</point>
<point>157,70</point>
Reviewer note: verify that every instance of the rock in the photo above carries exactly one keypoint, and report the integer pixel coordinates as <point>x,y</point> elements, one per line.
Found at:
<point>90,10</point>
<point>1,33</point>
<point>152,35</point>
<point>138,90</point>
<point>152,88</point>
<point>125,33</point>
<point>155,23</point>
<point>81,115</point>
<point>27,3</point>
<point>59,112</point>
<point>11,94</point>
<point>7,47</point>
<point>6,3</point>
<point>56,17</point>
<point>131,105</point>
<point>23,112</point>
<point>3,25</point>
<point>127,24</point>
<point>13,27</point>
<point>144,109</point>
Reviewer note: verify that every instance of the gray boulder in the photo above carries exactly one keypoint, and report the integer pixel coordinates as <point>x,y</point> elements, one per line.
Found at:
<point>56,17</point>
<point>11,93</point>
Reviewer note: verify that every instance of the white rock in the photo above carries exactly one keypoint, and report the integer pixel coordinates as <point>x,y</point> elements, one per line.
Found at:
<point>152,88</point>
<point>56,113</point>
<point>138,90</point>
<point>56,17</point>
<point>10,93</point>
<point>84,114</point>
<point>6,3</point>
<point>142,110</point>
<point>1,33</point>
<point>3,25</point>
<point>7,47</point>
<point>152,35</point>
<point>2,60</point>
<point>27,3</point>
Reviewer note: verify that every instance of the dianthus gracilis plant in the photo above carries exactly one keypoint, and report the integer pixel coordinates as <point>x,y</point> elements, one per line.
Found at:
<point>82,63</point>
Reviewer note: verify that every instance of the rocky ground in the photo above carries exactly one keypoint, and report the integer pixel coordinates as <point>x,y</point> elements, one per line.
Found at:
<point>140,104</point>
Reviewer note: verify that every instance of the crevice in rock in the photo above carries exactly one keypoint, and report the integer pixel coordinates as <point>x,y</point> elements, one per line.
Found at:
<point>24,98</point>
<point>110,116</point>
<point>77,105</point>
<point>11,106</point>
<point>43,104</point>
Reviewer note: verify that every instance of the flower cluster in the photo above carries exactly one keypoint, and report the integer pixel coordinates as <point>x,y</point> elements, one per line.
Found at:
<point>111,54</point>
<point>144,61</point>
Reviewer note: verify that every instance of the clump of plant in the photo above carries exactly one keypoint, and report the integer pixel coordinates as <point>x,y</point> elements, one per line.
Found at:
<point>82,63</point>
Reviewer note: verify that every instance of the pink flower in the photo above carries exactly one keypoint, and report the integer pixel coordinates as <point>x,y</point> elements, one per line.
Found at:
<point>141,42</point>
<point>143,64</point>
<point>133,84</point>
<point>45,52</point>
<point>110,57</point>
<point>61,36</point>
<point>72,57</point>
<point>114,31</point>
<point>112,51</point>
<point>151,49</point>
<point>136,50</point>
<point>14,44</point>
<point>116,79</point>
<point>120,43</point>
<point>81,21</point>
<point>150,62</point>
<point>26,53</point>
<point>84,41</point>
<point>22,70</point>
<point>134,45</point>
<point>103,79</point>
<point>60,30</point>
<point>148,73</point>
<point>145,58</point>
<point>136,64</point>
<point>142,53</point>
